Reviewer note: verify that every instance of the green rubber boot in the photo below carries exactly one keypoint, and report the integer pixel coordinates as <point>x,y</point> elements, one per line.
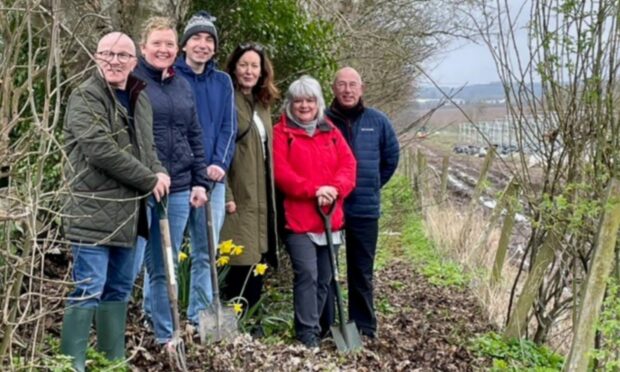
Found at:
<point>110,322</point>
<point>74,337</point>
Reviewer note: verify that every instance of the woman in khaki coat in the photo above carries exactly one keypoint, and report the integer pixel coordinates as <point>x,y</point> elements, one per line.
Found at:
<point>250,204</point>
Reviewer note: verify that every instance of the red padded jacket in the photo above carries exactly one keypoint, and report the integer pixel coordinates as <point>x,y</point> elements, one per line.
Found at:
<point>302,164</point>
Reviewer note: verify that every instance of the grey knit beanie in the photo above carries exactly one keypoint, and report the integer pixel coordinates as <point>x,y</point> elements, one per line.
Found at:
<point>200,22</point>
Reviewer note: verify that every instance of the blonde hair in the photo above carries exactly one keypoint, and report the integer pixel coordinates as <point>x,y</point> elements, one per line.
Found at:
<point>156,24</point>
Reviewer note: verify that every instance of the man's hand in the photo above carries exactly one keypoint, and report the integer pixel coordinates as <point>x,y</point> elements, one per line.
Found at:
<point>215,173</point>
<point>198,198</point>
<point>162,187</point>
<point>231,207</point>
<point>328,193</point>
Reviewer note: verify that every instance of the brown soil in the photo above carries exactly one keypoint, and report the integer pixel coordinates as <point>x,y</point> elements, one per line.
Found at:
<point>427,329</point>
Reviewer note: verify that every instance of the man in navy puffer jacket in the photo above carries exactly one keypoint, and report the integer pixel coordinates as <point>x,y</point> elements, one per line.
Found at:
<point>213,91</point>
<point>376,149</point>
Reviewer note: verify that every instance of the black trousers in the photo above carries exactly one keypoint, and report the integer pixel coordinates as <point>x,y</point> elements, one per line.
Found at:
<point>311,284</point>
<point>361,245</point>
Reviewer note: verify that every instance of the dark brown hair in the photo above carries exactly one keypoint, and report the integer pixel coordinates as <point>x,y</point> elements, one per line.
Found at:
<point>265,91</point>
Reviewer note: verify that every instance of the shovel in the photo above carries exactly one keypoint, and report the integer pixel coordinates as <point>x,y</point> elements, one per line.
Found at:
<point>346,335</point>
<point>215,323</point>
<point>177,350</point>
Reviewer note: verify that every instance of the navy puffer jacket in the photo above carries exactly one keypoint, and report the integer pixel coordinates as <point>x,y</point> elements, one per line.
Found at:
<point>375,146</point>
<point>177,133</point>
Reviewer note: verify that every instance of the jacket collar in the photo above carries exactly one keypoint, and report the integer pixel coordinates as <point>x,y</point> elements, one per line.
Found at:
<point>154,73</point>
<point>322,126</point>
<point>343,113</point>
<point>182,66</point>
<point>134,86</point>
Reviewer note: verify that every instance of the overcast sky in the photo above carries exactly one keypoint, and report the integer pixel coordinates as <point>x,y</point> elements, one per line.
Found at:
<point>466,62</point>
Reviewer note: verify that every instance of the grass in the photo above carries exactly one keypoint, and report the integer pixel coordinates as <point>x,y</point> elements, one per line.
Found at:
<point>516,355</point>
<point>422,252</point>
<point>95,361</point>
<point>412,241</point>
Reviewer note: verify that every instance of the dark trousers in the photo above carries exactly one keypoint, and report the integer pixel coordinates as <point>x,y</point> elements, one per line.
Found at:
<point>311,284</point>
<point>361,244</point>
<point>234,280</point>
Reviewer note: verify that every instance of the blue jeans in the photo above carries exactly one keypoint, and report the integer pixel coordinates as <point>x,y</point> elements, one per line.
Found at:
<point>200,280</point>
<point>178,213</point>
<point>139,266</point>
<point>101,273</point>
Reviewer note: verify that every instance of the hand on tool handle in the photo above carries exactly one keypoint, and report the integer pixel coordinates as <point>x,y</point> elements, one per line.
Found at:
<point>326,195</point>
<point>162,187</point>
<point>198,197</point>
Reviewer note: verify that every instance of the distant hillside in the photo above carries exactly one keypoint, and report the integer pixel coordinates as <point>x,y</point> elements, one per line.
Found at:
<point>470,93</point>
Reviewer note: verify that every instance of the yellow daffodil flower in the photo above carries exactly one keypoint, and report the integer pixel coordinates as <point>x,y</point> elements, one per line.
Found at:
<point>260,269</point>
<point>238,308</point>
<point>226,247</point>
<point>237,250</point>
<point>222,261</point>
<point>183,256</point>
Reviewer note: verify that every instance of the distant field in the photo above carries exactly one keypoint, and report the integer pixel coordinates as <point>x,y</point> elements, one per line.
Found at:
<point>450,115</point>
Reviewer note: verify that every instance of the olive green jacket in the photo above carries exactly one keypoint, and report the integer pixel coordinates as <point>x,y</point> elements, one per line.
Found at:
<point>250,185</point>
<point>111,163</point>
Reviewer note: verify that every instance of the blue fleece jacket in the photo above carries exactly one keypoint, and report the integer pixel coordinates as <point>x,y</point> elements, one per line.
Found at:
<point>375,146</point>
<point>176,130</point>
<point>215,103</point>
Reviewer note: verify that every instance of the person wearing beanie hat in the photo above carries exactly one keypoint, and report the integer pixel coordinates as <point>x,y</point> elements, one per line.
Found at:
<point>214,96</point>
<point>200,22</point>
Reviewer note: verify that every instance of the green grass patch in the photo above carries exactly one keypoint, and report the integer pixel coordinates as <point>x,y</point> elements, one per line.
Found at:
<point>55,361</point>
<point>421,251</point>
<point>516,355</point>
<point>397,204</point>
<point>402,234</point>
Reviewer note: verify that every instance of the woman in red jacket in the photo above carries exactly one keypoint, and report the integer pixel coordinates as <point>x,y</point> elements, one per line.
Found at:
<point>312,164</point>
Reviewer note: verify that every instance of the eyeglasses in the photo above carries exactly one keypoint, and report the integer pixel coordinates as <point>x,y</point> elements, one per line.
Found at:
<point>109,56</point>
<point>253,46</point>
<point>343,85</point>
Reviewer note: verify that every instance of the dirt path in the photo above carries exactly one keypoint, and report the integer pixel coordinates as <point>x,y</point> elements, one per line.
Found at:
<point>422,328</point>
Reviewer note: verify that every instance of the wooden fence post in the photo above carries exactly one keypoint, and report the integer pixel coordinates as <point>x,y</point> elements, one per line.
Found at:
<point>593,290</point>
<point>488,160</point>
<point>511,200</point>
<point>443,186</point>
<point>486,166</point>
<point>497,212</point>
<point>419,179</point>
<point>410,165</point>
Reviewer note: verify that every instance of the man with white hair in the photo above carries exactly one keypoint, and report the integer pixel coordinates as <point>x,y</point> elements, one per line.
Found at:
<point>112,168</point>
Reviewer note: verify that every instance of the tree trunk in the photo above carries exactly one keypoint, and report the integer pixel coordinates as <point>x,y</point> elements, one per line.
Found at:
<point>509,221</point>
<point>518,320</point>
<point>594,286</point>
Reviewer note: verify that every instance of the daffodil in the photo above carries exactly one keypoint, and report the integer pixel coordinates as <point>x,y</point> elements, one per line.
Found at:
<point>238,308</point>
<point>222,261</point>
<point>226,247</point>
<point>260,269</point>
<point>237,250</point>
<point>183,256</point>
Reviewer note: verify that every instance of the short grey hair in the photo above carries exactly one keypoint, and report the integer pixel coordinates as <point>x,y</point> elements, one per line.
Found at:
<point>305,87</point>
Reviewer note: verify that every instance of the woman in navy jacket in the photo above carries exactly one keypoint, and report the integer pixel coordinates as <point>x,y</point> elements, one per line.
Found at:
<point>178,138</point>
